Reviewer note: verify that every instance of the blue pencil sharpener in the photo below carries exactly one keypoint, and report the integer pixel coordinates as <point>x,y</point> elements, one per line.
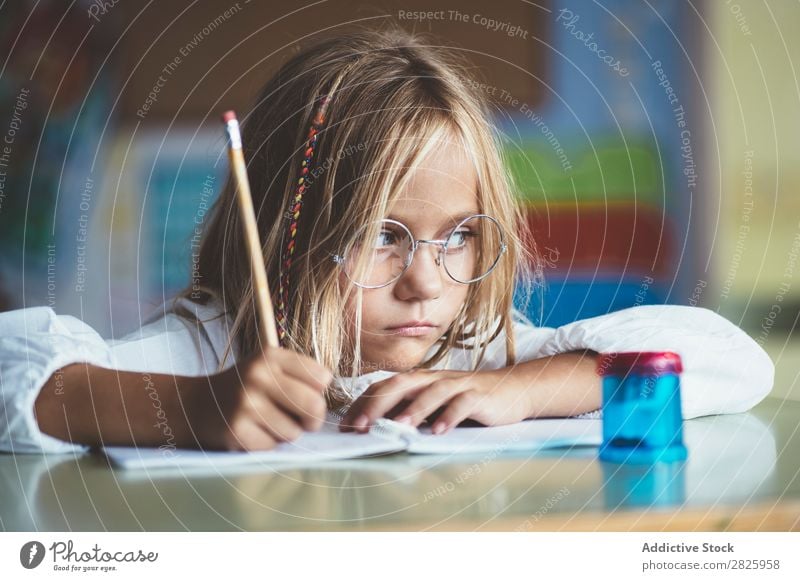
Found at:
<point>642,420</point>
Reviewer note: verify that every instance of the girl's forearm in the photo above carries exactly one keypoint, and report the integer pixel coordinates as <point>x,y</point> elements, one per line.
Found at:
<point>559,386</point>
<point>94,406</point>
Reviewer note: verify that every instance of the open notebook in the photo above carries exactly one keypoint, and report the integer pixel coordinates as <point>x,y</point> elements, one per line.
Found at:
<point>385,437</point>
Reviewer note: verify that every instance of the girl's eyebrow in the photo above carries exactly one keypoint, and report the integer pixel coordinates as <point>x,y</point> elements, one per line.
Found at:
<point>463,215</point>
<point>449,221</point>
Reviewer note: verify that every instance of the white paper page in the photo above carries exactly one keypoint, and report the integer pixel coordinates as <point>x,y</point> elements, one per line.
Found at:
<point>528,435</point>
<point>327,444</point>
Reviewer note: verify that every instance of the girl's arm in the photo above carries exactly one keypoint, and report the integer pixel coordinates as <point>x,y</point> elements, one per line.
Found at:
<point>267,400</point>
<point>93,406</point>
<point>725,371</point>
<point>557,386</point>
<point>35,344</point>
<point>62,387</point>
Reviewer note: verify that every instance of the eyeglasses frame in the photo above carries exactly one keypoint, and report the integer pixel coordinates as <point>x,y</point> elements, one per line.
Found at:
<point>442,244</point>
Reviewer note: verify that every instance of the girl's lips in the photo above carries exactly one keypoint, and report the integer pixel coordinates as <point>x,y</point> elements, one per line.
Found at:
<point>413,330</point>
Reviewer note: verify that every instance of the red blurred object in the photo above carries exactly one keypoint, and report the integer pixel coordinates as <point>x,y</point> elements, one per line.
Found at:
<point>639,363</point>
<point>624,238</point>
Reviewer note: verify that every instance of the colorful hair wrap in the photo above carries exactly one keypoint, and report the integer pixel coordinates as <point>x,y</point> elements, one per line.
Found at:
<point>301,187</point>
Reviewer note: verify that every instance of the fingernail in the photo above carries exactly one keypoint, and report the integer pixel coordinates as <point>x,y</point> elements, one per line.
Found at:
<point>439,427</point>
<point>361,422</point>
<point>403,419</point>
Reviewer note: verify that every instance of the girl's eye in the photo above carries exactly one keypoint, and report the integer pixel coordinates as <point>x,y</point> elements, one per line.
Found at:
<point>458,239</point>
<point>385,238</point>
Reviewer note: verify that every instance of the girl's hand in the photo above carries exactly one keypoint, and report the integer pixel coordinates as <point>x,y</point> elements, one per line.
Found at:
<point>271,398</point>
<point>489,397</point>
<point>556,386</point>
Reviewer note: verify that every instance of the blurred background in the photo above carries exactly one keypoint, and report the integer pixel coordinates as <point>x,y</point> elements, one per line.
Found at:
<point>655,145</point>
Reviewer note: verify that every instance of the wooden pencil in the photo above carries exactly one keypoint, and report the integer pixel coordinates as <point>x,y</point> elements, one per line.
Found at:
<point>266,317</point>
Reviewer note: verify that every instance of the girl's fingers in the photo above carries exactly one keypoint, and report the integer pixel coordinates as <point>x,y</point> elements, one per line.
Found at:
<point>307,370</point>
<point>381,397</point>
<point>293,396</point>
<point>299,400</point>
<point>245,435</point>
<point>303,368</point>
<point>431,399</point>
<point>354,412</point>
<point>276,422</point>
<point>459,409</point>
<point>369,407</point>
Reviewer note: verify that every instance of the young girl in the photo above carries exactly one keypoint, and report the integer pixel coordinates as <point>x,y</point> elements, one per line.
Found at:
<point>393,245</point>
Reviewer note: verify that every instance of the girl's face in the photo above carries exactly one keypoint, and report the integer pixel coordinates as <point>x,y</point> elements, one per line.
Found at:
<point>402,321</point>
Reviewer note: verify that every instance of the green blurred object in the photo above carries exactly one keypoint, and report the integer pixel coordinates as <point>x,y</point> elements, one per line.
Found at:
<point>617,172</point>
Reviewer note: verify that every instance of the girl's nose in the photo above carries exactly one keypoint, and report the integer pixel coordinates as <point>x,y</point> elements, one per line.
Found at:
<point>422,280</point>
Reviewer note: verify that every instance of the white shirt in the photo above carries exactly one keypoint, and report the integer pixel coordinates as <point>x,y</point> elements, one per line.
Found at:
<point>725,371</point>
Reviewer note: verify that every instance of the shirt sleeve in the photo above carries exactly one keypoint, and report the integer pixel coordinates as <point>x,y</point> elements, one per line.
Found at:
<point>725,370</point>
<point>35,343</point>
<point>172,344</point>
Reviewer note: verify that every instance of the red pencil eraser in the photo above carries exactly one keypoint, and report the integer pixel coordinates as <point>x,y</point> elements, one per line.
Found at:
<point>227,116</point>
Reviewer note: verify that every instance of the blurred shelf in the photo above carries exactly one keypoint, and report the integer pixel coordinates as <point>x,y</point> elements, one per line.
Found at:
<point>624,238</point>
<point>608,171</point>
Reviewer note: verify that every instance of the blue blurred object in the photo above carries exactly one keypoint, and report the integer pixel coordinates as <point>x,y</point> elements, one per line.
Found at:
<point>642,420</point>
<point>180,197</point>
<point>564,301</point>
<point>662,484</point>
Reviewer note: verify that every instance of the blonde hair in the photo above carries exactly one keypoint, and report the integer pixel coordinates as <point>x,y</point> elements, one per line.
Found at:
<point>397,98</point>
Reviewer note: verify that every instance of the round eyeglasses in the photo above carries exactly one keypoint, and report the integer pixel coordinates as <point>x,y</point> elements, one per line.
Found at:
<point>380,253</point>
